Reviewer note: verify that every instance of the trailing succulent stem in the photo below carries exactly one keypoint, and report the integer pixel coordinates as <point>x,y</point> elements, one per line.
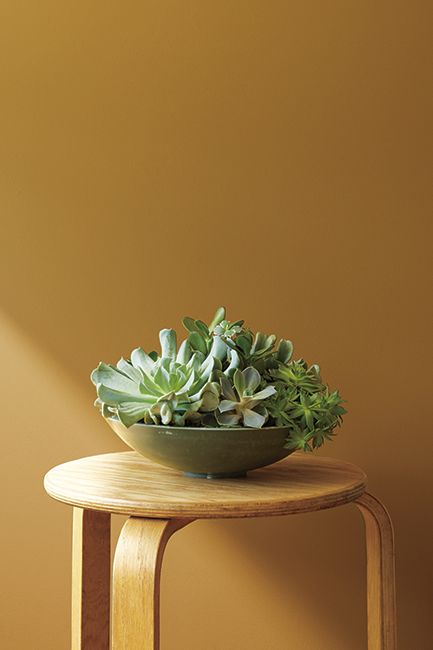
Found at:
<point>221,375</point>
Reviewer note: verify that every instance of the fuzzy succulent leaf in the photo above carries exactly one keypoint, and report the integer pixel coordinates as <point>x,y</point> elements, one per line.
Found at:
<point>184,353</point>
<point>140,359</point>
<point>128,369</point>
<point>235,362</point>
<point>113,378</point>
<point>210,397</point>
<point>131,412</point>
<point>167,339</point>
<point>157,390</point>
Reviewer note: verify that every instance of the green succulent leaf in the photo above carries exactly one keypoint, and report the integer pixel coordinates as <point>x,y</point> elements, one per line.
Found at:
<point>140,359</point>
<point>167,339</point>
<point>128,369</point>
<point>197,342</point>
<point>165,412</point>
<point>235,362</point>
<point>202,328</point>
<point>227,389</point>
<point>184,353</point>
<point>219,316</point>
<point>253,418</point>
<point>113,378</point>
<point>263,394</point>
<point>259,343</point>
<point>239,382</point>
<point>285,351</point>
<point>227,405</point>
<point>131,412</point>
<point>114,397</point>
<point>219,348</point>
<point>210,397</point>
<point>244,343</point>
<point>251,380</point>
<point>228,419</point>
<point>189,324</point>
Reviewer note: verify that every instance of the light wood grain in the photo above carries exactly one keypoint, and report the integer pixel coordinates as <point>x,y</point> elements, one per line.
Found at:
<point>91,568</point>
<point>381,605</point>
<point>162,501</point>
<point>136,582</point>
<point>127,483</point>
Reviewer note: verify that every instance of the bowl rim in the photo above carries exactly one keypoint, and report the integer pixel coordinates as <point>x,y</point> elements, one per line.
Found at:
<point>115,418</point>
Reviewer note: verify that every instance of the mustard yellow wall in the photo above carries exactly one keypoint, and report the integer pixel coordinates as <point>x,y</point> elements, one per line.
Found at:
<point>159,159</point>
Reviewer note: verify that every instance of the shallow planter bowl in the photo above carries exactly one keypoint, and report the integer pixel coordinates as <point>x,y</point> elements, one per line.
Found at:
<point>206,452</point>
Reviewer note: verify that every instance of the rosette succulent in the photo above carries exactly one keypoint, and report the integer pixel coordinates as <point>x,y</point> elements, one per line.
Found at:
<point>221,375</point>
<point>169,389</point>
<point>242,405</point>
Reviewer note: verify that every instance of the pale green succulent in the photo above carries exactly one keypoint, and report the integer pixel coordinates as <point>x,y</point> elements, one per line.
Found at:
<point>242,405</point>
<point>173,388</point>
<point>222,375</point>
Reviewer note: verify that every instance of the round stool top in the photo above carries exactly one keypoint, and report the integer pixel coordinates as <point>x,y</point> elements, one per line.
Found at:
<point>127,483</point>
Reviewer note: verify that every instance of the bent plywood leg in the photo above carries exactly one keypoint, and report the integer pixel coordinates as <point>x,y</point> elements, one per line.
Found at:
<point>381,609</point>
<point>136,579</point>
<point>91,567</point>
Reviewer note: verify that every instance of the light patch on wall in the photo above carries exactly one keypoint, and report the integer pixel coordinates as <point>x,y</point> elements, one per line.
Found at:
<point>46,420</point>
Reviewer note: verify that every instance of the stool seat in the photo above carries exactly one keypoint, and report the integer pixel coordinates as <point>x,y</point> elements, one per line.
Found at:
<point>127,483</point>
<point>161,501</point>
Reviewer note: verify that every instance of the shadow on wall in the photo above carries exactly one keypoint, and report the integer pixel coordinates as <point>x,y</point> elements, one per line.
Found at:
<point>272,582</point>
<point>314,569</point>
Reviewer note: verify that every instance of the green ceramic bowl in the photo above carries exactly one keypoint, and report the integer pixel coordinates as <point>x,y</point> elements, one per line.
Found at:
<point>206,452</point>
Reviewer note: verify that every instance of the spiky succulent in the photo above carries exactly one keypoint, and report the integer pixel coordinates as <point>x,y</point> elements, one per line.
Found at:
<point>222,375</point>
<point>304,403</point>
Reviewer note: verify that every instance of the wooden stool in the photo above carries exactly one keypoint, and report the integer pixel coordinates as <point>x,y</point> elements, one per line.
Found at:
<point>160,501</point>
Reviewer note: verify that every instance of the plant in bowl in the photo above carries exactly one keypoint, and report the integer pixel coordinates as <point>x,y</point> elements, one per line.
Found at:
<point>223,402</point>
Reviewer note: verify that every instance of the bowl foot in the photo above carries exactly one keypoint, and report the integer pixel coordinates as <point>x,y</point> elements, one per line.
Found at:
<point>216,475</point>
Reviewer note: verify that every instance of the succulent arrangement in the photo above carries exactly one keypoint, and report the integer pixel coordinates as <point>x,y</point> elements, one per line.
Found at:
<point>221,375</point>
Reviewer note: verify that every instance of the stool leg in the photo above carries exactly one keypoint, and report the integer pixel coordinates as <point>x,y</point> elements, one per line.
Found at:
<point>136,580</point>
<point>381,609</point>
<point>91,567</point>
